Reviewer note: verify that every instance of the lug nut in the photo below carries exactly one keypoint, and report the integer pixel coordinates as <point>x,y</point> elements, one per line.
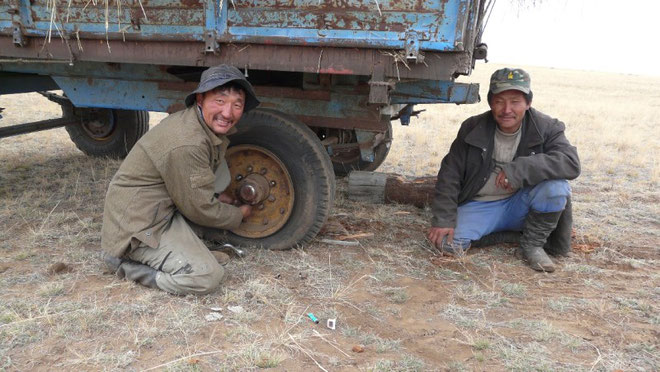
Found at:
<point>239,177</point>
<point>263,171</point>
<point>272,183</point>
<point>249,168</point>
<point>265,221</point>
<point>260,206</point>
<point>282,210</point>
<point>271,198</point>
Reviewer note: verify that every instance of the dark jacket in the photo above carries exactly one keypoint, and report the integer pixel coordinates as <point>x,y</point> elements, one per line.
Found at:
<point>544,153</point>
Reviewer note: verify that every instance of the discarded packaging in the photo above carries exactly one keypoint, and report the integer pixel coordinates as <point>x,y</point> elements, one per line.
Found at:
<point>313,318</point>
<point>331,323</point>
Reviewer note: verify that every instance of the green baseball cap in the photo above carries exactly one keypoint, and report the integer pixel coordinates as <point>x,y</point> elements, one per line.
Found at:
<point>509,78</point>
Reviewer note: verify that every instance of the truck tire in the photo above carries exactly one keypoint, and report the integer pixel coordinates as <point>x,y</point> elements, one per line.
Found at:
<point>343,166</point>
<point>291,145</point>
<point>108,132</point>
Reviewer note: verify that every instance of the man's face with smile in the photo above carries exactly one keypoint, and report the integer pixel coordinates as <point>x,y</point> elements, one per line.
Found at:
<point>221,108</point>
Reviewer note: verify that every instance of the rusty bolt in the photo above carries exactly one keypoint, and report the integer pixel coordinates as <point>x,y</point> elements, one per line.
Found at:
<point>271,198</point>
<point>272,183</point>
<point>260,206</point>
<point>263,171</point>
<point>282,210</point>
<point>265,221</point>
<point>239,177</point>
<point>249,168</point>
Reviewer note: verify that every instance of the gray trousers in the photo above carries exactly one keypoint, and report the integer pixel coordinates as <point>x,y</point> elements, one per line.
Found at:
<point>183,262</point>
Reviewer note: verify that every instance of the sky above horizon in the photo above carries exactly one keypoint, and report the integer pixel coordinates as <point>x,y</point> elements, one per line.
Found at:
<point>595,35</point>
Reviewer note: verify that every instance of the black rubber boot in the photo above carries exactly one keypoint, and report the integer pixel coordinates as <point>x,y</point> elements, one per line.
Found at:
<point>111,263</point>
<point>559,241</point>
<point>137,272</point>
<point>500,237</point>
<point>538,227</point>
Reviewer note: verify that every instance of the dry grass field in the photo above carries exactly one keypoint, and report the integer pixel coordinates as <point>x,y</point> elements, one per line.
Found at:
<point>405,307</point>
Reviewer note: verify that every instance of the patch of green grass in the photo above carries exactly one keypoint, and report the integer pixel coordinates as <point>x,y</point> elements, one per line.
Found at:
<point>411,363</point>
<point>593,283</point>
<point>513,289</point>
<point>462,316</point>
<point>6,318</point>
<point>442,273</point>
<point>456,366</point>
<point>481,345</point>
<point>241,333</point>
<point>386,345</point>
<point>383,366</point>
<point>561,305</point>
<point>24,255</point>
<point>382,345</point>
<point>397,295</point>
<point>472,292</point>
<point>52,289</point>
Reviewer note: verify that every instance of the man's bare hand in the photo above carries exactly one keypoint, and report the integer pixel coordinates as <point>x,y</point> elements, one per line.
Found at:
<point>225,197</point>
<point>437,233</point>
<point>246,210</point>
<point>502,182</point>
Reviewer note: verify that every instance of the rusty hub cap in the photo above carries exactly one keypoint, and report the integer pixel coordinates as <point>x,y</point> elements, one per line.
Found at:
<point>261,180</point>
<point>99,125</point>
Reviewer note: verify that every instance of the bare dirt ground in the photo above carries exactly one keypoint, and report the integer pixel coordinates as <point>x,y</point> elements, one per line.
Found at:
<point>399,306</point>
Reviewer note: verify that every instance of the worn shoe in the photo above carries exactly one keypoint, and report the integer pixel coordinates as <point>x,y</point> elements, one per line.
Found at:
<point>221,257</point>
<point>559,241</point>
<point>139,273</point>
<point>500,237</point>
<point>538,227</point>
<point>111,263</point>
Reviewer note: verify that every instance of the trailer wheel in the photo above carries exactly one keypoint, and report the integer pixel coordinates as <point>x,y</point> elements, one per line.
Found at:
<point>344,163</point>
<point>289,174</point>
<point>107,132</point>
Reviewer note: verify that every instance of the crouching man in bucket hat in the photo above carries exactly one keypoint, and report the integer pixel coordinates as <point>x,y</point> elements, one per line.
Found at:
<point>174,175</point>
<point>505,178</point>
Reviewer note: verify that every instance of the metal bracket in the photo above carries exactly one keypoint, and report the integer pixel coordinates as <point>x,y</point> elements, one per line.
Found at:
<point>367,142</point>
<point>19,39</point>
<point>412,45</point>
<point>211,39</point>
<point>378,88</point>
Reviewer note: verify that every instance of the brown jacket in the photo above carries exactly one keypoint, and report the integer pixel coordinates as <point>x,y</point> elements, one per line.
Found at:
<point>171,168</point>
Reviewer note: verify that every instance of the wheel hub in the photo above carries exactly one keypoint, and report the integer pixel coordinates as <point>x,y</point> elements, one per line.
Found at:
<point>99,124</point>
<point>261,180</point>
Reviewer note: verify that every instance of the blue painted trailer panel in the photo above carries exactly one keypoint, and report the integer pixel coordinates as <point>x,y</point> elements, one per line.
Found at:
<point>439,25</point>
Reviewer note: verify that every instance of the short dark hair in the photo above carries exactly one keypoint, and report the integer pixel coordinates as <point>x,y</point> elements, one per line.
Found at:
<point>528,97</point>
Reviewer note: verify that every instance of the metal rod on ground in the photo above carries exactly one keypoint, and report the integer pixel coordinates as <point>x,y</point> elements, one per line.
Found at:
<point>36,126</point>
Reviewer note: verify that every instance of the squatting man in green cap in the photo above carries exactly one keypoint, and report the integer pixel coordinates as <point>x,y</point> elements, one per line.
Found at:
<point>506,172</point>
<point>176,174</point>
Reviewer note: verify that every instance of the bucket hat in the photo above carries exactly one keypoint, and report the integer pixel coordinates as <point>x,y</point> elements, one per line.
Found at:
<point>221,75</point>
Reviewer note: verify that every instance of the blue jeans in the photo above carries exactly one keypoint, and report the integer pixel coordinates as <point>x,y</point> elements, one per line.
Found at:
<point>476,218</point>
